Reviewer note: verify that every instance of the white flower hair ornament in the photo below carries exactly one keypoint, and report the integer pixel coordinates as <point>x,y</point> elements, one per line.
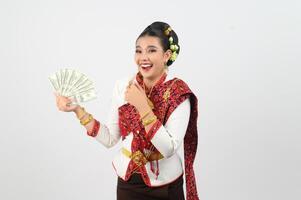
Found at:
<point>173,47</point>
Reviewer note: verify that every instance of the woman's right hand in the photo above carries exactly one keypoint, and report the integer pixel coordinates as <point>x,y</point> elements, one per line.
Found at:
<point>63,103</point>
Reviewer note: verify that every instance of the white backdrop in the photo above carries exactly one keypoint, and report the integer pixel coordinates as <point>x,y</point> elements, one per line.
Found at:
<point>239,57</point>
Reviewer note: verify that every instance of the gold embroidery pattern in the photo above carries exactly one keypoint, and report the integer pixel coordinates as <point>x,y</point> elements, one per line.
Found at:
<point>166,94</point>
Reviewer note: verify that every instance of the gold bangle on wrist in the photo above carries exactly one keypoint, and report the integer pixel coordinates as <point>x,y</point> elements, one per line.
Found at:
<point>85,115</point>
<point>143,116</point>
<point>87,120</point>
<point>149,121</point>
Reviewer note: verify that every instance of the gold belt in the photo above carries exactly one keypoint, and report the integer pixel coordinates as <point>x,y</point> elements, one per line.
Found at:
<point>139,158</point>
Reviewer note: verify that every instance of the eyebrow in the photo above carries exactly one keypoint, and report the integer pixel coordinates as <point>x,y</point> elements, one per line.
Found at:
<point>150,46</point>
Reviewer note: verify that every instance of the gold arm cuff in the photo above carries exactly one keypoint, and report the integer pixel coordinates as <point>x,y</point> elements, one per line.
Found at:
<point>145,114</point>
<point>87,120</point>
<point>146,122</point>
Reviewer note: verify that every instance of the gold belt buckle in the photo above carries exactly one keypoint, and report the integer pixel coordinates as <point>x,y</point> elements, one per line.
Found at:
<point>138,158</point>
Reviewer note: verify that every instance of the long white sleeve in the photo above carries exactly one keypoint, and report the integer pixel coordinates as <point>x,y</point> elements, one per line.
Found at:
<point>168,138</point>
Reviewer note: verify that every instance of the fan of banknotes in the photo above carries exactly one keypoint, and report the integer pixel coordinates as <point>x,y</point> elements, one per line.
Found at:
<point>73,84</point>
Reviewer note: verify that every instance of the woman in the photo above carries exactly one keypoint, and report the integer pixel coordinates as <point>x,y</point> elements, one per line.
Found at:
<point>153,114</point>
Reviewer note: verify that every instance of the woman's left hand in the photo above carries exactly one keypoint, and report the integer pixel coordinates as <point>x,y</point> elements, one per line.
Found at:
<point>135,95</point>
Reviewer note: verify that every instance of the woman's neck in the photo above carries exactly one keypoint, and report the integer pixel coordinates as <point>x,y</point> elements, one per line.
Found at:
<point>149,83</point>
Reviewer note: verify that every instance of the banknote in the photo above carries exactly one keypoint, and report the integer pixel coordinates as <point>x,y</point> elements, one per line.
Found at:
<point>73,84</point>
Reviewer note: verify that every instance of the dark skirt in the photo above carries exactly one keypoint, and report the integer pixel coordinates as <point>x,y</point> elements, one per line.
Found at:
<point>135,189</point>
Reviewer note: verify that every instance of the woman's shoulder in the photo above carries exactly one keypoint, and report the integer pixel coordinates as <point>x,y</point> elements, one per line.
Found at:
<point>177,82</point>
<point>178,88</point>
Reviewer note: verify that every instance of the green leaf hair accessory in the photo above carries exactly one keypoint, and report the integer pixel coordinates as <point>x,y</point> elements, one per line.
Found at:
<point>170,40</point>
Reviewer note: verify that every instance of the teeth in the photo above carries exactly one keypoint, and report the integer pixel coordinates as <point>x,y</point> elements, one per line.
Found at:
<point>146,65</point>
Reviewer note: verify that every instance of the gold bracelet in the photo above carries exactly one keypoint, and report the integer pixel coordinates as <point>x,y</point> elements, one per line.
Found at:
<point>82,113</point>
<point>143,116</point>
<point>83,116</point>
<point>87,120</point>
<point>149,121</point>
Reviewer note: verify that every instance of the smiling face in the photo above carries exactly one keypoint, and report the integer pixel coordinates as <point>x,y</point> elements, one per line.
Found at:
<point>150,57</point>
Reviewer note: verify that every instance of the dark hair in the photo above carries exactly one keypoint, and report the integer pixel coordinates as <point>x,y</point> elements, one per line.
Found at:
<point>157,29</point>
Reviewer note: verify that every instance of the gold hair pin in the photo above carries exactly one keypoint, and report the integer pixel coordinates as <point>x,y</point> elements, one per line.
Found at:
<point>167,31</point>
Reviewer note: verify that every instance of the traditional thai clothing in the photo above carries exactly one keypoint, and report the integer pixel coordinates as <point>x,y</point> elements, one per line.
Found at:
<point>148,165</point>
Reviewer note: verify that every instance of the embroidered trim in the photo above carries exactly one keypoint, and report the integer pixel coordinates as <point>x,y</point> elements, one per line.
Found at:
<point>95,129</point>
<point>153,130</point>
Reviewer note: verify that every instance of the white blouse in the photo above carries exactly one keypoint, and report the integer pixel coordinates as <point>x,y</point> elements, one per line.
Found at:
<point>167,139</point>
